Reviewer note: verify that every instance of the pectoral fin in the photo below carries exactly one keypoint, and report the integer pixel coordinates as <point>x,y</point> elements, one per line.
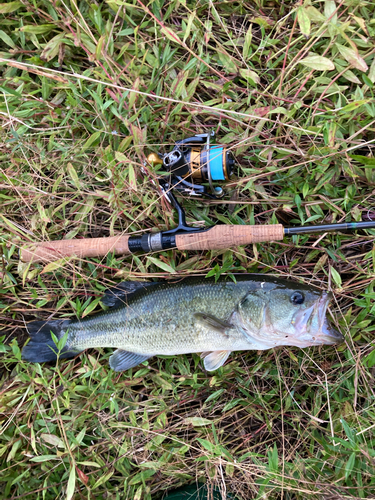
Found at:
<point>213,323</point>
<point>213,360</point>
<point>123,360</point>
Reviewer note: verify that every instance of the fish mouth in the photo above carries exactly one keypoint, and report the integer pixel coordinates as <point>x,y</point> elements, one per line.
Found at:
<point>323,333</point>
<point>329,335</point>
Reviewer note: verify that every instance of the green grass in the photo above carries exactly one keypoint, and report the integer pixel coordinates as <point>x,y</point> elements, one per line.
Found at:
<point>282,424</point>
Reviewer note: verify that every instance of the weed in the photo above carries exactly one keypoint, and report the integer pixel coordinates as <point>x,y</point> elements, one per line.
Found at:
<point>87,90</point>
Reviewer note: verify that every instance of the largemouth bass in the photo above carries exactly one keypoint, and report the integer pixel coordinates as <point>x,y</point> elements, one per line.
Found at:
<point>193,315</point>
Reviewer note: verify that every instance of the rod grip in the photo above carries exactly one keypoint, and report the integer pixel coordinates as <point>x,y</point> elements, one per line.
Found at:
<point>226,236</point>
<point>48,251</point>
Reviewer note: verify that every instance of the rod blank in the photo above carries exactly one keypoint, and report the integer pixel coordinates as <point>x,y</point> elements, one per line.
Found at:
<point>322,228</point>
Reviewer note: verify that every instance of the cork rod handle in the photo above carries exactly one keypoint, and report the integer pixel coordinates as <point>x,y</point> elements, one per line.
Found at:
<point>226,236</point>
<point>48,251</point>
<point>217,238</point>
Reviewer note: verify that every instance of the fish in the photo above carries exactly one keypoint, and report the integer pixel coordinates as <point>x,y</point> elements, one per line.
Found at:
<point>193,315</point>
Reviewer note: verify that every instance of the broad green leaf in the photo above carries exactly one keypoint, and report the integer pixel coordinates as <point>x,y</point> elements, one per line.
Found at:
<point>329,8</point>
<point>3,348</point>
<point>354,105</point>
<point>231,404</point>
<point>81,435</point>
<point>351,77</point>
<point>371,73</point>
<point>228,62</point>
<point>91,307</point>
<point>365,160</point>
<point>215,395</point>
<point>369,360</point>
<point>89,464</point>
<point>6,39</point>
<point>6,8</point>
<point>38,30</point>
<point>133,96</point>
<point>103,479</point>
<point>352,56</point>
<point>367,81</point>
<point>132,177</point>
<point>361,22</point>
<point>304,21</point>
<point>43,458</point>
<point>263,22</point>
<point>53,266</point>
<point>8,90</point>
<point>250,76</point>
<point>273,459</point>
<point>318,63</point>
<point>349,465</point>
<point>127,31</point>
<point>336,277</point>
<point>62,341</point>
<point>14,450</point>
<point>74,176</point>
<point>198,421</point>
<point>247,44</point>
<point>189,25</point>
<point>98,51</point>
<point>170,34</point>
<point>53,440</point>
<point>121,157</point>
<point>52,47</point>
<point>91,140</point>
<point>314,14</point>
<point>161,264</point>
<point>207,444</point>
<point>280,110</point>
<point>71,483</point>
<point>330,12</point>
<point>351,434</point>
<point>312,218</point>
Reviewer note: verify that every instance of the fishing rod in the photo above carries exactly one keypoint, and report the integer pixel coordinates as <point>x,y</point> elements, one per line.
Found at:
<point>192,160</point>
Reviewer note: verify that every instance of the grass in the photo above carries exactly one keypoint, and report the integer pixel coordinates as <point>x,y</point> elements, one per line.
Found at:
<point>282,424</point>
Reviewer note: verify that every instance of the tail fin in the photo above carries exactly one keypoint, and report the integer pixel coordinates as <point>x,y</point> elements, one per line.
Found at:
<point>41,346</point>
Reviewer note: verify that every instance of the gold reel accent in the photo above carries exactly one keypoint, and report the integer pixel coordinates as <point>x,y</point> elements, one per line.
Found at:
<point>153,158</point>
<point>226,176</point>
<point>195,163</point>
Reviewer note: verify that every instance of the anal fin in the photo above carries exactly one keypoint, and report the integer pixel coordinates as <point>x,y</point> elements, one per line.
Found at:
<point>123,360</point>
<point>213,360</point>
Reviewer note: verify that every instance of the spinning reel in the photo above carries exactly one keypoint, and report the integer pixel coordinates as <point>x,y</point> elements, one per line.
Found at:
<point>195,159</point>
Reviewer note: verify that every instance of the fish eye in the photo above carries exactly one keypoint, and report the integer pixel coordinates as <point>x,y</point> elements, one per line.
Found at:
<point>297,298</point>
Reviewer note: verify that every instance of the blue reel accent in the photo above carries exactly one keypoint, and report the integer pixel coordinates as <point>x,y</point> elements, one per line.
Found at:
<point>216,163</point>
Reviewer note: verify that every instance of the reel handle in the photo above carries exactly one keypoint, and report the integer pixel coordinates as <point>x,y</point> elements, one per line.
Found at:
<point>227,236</point>
<point>48,251</point>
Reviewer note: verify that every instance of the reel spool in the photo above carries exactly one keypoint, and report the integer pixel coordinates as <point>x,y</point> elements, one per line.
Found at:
<point>194,158</point>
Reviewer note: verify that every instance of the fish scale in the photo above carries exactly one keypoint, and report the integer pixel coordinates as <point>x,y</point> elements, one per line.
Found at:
<point>162,321</point>
<point>192,315</point>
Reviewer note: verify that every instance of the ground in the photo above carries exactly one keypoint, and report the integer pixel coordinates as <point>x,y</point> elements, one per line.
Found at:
<point>87,91</point>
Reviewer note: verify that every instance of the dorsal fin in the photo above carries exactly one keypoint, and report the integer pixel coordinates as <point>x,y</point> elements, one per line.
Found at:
<point>122,292</point>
